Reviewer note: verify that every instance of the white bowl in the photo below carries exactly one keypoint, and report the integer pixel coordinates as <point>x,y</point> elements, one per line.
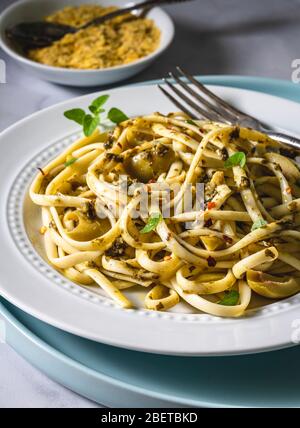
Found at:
<point>35,10</point>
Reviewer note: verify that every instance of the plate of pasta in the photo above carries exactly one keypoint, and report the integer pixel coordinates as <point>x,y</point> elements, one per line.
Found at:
<point>141,227</point>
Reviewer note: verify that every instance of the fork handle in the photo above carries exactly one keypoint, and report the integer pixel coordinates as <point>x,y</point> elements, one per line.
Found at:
<point>285,139</point>
<point>125,10</point>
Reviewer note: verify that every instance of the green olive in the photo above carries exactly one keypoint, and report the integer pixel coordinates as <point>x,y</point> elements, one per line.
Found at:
<point>139,167</point>
<point>84,228</point>
<point>149,164</point>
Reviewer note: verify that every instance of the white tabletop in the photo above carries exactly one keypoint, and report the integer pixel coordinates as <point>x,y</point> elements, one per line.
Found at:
<point>259,38</point>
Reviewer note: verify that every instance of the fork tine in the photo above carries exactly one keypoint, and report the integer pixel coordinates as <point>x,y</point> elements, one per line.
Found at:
<point>188,101</point>
<point>222,114</point>
<point>237,114</point>
<point>177,103</point>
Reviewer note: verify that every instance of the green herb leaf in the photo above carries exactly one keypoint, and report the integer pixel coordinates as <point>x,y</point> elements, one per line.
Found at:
<point>191,122</point>
<point>91,121</point>
<point>95,110</point>
<point>70,162</point>
<point>152,222</point>
<point>231,298</point>
<point>98,102</point>
<point>96,105</point>
<point>238,159</point>
<point>90,124</point>
<point>116,115</point>
<point>260,222</point>
<point>76,114</point>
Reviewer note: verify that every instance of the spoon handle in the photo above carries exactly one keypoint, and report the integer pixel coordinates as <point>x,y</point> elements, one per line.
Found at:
<point>119,12</point>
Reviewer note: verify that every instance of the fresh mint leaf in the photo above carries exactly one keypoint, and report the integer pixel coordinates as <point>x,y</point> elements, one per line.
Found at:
<point>237,159</point>
<point>260,222</point>
<point>116,116</point>
<point>152,222</point>
<point>90,124</point>
<point>231,298</point>
<point>76,114</point>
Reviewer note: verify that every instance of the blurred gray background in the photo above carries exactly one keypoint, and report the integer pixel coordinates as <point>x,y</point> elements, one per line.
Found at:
<point>257,37</point>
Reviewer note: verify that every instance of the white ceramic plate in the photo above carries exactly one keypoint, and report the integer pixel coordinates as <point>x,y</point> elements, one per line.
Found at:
<point>30,283</point>
<point>35,10</point>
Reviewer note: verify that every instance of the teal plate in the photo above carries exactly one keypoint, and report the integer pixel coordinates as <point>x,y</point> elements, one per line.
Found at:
<point>121,378</point>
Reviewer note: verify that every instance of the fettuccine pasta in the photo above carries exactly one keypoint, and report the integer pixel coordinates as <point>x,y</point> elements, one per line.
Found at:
<point>114,214</point>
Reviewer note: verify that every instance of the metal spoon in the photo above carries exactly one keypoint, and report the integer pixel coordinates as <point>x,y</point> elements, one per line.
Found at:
<point>30,35</point>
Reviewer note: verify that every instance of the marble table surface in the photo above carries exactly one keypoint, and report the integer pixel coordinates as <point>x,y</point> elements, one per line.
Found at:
<point>259,38</point>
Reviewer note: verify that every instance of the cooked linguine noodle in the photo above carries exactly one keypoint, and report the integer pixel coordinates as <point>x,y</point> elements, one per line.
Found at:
<point>244,239</point>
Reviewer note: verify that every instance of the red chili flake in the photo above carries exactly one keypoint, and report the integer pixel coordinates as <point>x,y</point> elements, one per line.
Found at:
<point>41,171</point>
<point>208,223</point>
<point>227,239</point>
<point>211,205</point>
<point>152,180</point>
<point>211,261</point>
<point>289,190</point>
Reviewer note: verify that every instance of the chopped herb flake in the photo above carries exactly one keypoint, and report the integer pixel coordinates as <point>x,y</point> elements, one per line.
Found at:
<point>41,171</point>
<point>231,298</point>
<point>260,222</point>
<point>211,262</point>
<point>191,122</point>
<point>152,222</point>
<point>237,159</point>
<point>70,162</point>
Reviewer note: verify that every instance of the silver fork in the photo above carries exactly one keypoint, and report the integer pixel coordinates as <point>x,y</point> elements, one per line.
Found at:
<point>194,99</point>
